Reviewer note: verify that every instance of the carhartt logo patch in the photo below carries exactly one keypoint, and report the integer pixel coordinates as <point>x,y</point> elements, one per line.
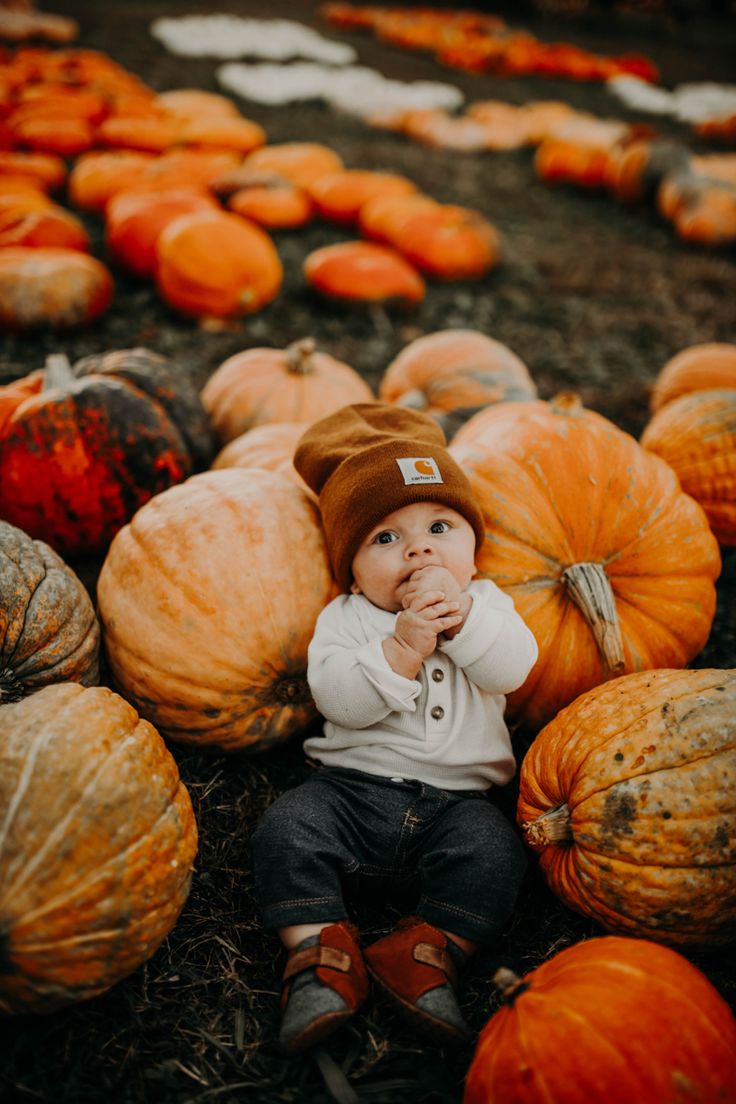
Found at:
<point>419,469</point>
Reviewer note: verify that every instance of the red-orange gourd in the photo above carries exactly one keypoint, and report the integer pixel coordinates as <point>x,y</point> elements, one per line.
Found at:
<point>610,1019</point>
<point>627,797</point>
<point>48,630</point>
<point>339,196</point>
<point>208,601</point>
<point>696,435</point>
<point>97,846</point>
<point>54,288</point>
<point>263,385</point>
<point>609,562</point>
<point>710,366</point>
<point>448,242</point>
<point>216,263</point>
<point>134,222</point>
<point>363,272</point>
<point>46,227</point>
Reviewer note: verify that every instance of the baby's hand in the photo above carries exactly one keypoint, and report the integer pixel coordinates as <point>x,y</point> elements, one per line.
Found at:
<point>428,615</point>
<point>431,578</point>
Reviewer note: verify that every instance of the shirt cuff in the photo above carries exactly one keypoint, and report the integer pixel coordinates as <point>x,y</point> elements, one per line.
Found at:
<point>397,691</point>
<point>476,636</point>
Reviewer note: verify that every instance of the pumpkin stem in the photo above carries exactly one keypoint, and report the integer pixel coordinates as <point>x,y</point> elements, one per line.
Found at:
<point>567,402</point>
<point>57,371</point>
<point>510,984</point>
<point>554,826</point>
<point>11,688</point>
<point>414,400</point>
<point>591,591</point>
<point>299,356</point>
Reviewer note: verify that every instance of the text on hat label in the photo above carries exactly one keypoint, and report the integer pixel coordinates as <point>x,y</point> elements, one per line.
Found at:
<point>419,469</point>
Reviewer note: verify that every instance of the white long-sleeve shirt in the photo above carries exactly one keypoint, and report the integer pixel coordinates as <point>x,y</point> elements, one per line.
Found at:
<point>445,727</point>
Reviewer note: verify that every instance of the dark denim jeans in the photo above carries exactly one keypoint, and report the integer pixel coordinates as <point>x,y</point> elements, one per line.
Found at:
<point>467,856</point>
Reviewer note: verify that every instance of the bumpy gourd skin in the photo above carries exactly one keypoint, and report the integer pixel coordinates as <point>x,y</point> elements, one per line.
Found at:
<point>610,1019</point>
<point>48,628</point>
<point>97,843</point>
<point>636,779</point>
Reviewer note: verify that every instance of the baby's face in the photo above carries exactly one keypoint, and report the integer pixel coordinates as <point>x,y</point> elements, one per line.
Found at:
<point>415,536</point>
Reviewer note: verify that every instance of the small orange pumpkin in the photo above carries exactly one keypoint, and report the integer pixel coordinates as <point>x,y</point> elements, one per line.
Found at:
<point>262,385</point>
<point>339,196</point>
<point>195,635</point>
<point>626,797</point>
<point>216,263</point>
<point>58,288</point>
<point>51,226</point>
<point>710,366</point>
<point>97,848</point>
<point>696,435</point>
<point>448,242</point>
<point>273,202</point>
<point>270,446</point>
<point>571,1031</point>
<point>299,162</point>
<point>364,272</point>
<point>609,563</point>
<point>135,220</point>
<point>98,175</point>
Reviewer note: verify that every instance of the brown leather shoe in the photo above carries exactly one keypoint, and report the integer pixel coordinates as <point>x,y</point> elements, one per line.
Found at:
<point>414,966</point>
<point>324,983</point>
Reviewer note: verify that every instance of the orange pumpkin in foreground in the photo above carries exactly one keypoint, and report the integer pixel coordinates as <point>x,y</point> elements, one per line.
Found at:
<point>263,385</point>
<point>627,795</point>
<point>611,1019</point>
<point>97,846</point>
<point>609,563</point>
<point>208,601</point>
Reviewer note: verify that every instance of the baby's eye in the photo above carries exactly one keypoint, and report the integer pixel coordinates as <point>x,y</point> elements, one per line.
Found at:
<point>385,537</point>
<point>439,527</point>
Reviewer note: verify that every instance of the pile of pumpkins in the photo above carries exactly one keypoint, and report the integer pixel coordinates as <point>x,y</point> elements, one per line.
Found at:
<point>191,194</point>
<point>610,558</point>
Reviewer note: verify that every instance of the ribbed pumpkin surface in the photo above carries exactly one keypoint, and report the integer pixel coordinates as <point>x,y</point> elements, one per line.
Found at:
<point>97,841</point>
<point>608,562</point>
<point>707,367</point>
<point>208,601</point>
<point>48,628</point>
<point>642,775</point>
<point>696,435</point>
<point>270,446</point>
<point>608,1020</point>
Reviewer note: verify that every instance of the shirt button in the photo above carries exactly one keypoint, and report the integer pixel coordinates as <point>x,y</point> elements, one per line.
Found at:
<point>438,675</point>
<point>438,712</point>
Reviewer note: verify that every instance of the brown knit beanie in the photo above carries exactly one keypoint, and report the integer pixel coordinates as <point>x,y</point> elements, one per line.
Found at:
<point>367,460</point>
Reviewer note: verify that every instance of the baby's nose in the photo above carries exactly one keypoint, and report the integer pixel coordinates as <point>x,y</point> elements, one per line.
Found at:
<point>421,545</point>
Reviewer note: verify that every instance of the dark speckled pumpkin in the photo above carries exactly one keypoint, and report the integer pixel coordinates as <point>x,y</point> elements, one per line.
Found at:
<point>627,795</point>
<point>48,628</point>
<point>81,450</point>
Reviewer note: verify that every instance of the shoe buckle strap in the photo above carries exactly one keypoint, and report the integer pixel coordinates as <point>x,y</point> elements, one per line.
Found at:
<point>318,955</point>
<point>438,957</point>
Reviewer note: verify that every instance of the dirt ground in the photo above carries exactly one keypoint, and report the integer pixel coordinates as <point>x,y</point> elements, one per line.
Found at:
<point>594,297</point>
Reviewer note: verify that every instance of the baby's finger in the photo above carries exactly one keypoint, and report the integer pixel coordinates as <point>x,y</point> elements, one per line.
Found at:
<point>448,622</point>
<point>442,609</point>
<point>426,598</point>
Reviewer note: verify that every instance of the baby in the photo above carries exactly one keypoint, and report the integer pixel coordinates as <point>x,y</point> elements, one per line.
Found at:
<point>409,667</point>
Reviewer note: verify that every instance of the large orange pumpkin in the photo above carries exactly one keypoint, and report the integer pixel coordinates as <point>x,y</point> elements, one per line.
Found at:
<point>97,846</point>
<point>627,795</point>
<point>610,564</point>
<point>696,435</point>
<point>215,263</point>
<point>295,384</point>
<point>48,628</point>
<point>706,367</point>
<point>610,1019</point>
<point>208,601</point>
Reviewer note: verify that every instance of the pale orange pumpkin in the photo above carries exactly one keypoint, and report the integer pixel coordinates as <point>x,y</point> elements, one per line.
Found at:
<point>270,446</point>
<point>609,562</point>
<point>696,435</point>
<point>262,385</point>
<point>97,848</point>
<point>56,288</point>
<point>208,600</point>
<point>215,263</point>
<point>455,372</point>
<point>299,162</point>
<point>709,366</point>
<point>626,795</point>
